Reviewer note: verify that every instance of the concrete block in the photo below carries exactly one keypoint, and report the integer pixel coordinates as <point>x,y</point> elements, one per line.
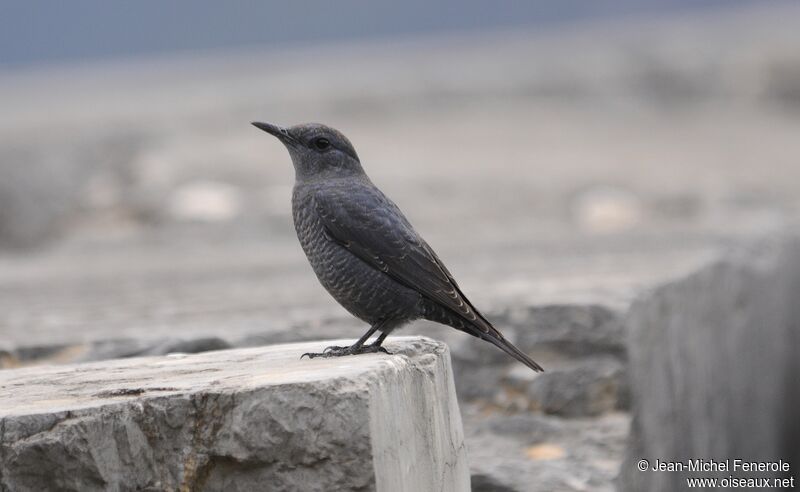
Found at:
<point>246,419</point>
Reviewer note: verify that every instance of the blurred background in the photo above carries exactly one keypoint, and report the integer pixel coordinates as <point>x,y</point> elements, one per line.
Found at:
<point>561,157</point>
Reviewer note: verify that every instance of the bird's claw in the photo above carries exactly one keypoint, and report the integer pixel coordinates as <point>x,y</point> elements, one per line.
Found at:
<point>335,351</point>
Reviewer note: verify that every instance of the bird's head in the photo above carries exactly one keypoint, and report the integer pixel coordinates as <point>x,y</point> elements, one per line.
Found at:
<point>317,151</point>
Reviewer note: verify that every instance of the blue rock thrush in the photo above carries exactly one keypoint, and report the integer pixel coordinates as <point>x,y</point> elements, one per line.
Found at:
<point>363,249</point>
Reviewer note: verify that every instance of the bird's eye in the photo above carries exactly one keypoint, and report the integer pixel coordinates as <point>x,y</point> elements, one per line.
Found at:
<point>322,144</point>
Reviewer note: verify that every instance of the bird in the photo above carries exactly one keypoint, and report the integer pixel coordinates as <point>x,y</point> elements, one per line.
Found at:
<point>364,250</point>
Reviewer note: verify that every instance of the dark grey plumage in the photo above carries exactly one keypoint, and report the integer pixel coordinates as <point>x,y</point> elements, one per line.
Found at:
<point>363,249</point>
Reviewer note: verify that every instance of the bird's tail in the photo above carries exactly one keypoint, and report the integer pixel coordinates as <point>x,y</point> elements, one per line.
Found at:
<point>498,340</point>
<point>479,327</point>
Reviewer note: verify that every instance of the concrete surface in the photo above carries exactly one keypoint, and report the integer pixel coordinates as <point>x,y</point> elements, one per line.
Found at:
<point>237,420</point>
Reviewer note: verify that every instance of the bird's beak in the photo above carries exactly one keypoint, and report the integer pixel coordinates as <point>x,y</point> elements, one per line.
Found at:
<point>278,131</point>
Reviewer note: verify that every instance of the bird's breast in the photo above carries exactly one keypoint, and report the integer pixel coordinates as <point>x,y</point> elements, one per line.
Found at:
<point>360,288</point>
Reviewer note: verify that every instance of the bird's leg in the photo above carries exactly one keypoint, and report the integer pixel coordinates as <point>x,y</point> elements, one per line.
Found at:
<point>376,345</point>
<point>356,348</point>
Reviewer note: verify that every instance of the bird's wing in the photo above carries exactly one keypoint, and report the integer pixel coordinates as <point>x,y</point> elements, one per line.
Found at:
<point>372,227</point>
<point>365,222</point>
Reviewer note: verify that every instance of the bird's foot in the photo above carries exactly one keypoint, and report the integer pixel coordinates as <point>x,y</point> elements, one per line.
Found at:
<point>335,351</point>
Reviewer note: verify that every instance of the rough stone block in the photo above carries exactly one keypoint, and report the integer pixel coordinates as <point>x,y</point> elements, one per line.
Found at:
<point>246,419</point>
<point>714,367</point>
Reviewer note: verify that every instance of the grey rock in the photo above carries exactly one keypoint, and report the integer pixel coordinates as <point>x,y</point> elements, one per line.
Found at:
<point>118,348</point>
<point>545,453</point>
<point>479,367</point>
<point>482,482</point>
<point>572,329</point>
<point>584,388</point>
<point>189,346</point>
<point>556,334</point>
<point>581,344</point>
<point>35,352</point>
<point>236,420</point>
<point>525,426</point>
<point>713,366</point>
<point>475,382</point>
